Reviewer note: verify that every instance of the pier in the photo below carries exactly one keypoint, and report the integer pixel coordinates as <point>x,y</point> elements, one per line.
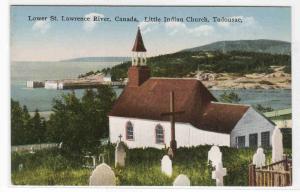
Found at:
<point>92,81</point>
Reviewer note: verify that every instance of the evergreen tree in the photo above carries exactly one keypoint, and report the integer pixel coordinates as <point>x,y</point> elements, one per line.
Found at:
<point>80,123</point>
<point>230,97</point>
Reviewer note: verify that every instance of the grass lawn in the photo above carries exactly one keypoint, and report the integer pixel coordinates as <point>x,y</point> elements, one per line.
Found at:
<point>51,167</point>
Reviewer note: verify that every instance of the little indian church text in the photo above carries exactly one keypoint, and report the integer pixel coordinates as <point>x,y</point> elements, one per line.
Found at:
<point>143,112</point>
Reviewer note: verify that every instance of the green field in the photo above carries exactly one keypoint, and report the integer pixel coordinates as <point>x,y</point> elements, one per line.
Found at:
<point>51,167</point>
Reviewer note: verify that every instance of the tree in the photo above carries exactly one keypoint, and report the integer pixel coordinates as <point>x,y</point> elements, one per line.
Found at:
<point>230,97</point>
<point>24,129</point>
<point>80,123</point>
<point>17,124</point>
<point>263,109</point>
<point>38,128</point>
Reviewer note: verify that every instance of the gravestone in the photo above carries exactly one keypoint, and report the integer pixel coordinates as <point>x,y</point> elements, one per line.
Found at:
<point>21,166</point>
<point>277,146</point>
<point>182,180</point>
<point>215,156</point>
<point>60,145</point>
<point>218,174</point>
<point>120,154</point>
<point>94,161</point>
<point>259,158</point>
<point>31,150</point>
<point>103,175</point>
<point>170,152</point>
<point>166,165</point>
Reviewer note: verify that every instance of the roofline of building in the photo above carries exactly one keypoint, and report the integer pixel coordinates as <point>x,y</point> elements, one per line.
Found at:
<point>179,122</point>
<point>180,78</point>
<point>262,114</point>
<point>236,104</point>
<point>175,78</point>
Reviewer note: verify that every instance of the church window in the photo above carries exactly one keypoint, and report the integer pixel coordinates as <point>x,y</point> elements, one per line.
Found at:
<point>240,141</point>
<point>159,134</point>
<point>253,140</point>
<point>265,139</point>
<point>129,131</point>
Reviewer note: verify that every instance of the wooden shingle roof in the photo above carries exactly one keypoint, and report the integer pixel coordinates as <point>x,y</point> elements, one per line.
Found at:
<point>150,99</point>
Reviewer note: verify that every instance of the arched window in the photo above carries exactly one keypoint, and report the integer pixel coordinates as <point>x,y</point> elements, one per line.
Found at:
<point>159,134</point>
<point>129,131</point>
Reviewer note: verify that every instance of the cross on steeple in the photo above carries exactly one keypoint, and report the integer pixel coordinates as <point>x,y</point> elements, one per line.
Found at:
<point>120,136</point>
<point>172,114</point>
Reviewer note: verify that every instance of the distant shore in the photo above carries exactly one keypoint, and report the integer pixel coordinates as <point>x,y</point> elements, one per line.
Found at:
<point>220,81</point>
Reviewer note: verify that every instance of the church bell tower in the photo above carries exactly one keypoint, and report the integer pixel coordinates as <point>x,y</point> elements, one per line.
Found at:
<point>139,72</point>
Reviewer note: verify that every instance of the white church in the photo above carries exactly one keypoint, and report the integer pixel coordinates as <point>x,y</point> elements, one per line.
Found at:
<point>137,113</point>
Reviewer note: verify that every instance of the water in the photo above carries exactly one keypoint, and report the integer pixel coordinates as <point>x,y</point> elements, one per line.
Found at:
<point>42,98</point>
<point>275,98</point>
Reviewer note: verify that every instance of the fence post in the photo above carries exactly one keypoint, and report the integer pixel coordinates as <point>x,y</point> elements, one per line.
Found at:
<point>291,176</point>
<point>285,162</point>
<point>251,175</point>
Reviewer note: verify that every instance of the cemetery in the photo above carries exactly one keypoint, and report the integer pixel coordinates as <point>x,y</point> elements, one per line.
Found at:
<point>194,166</point>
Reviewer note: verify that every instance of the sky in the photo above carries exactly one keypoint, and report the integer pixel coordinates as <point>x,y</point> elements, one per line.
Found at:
<point>58,40</point>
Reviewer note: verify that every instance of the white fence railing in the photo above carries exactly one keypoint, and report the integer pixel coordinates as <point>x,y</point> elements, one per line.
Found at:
<point>34,147</point>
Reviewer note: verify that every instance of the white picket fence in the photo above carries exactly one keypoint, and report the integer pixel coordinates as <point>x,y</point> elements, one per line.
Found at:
<point>33,147</point>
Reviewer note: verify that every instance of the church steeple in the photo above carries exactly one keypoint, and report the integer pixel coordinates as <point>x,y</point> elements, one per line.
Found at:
<point>139,50</point>
<point>138,73</point>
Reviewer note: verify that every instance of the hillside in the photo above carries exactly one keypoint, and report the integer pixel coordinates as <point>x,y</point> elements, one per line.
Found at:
<point>98,59</point>
<point>182,64</point>
<point>260,45</point>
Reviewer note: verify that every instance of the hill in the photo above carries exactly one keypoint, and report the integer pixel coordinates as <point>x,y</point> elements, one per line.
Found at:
<point>260,45</point>
<point>183,64</point>
<point>98,59</point>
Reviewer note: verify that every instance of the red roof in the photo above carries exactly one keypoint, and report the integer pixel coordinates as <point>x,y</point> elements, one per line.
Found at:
<point>150,99</point>
<point>138,45</point>
<point>221,117</point>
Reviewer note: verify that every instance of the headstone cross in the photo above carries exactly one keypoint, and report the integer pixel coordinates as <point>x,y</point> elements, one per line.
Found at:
<point>172,114</point>
<point>218,174</point>
<point>120,136</point>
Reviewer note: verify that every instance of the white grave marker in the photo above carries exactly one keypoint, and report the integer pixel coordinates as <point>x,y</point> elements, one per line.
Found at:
<point>60,145</point>
<point>21,167</point>
<point>166,165</point>
<point>259,158</point>
<point>277,146</point>
<point>218,174</point>
<point>120,153</point>
<point>103,175</point>
<point>182,180</point>
<point>215,156</point>
<point>31,150</point>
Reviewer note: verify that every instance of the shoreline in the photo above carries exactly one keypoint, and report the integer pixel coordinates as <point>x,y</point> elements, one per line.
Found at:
<point>278,79</point>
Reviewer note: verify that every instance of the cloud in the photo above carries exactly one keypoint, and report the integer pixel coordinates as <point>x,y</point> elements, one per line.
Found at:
<point>90,25</point>
<point>41,26</point>
<point>147,27</point>
<point>204,30</point>
<point>177,27</point>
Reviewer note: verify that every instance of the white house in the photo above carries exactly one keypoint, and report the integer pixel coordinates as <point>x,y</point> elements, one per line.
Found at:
<point>107,78</point>
<point>49,84</point>
<point>137,113</point>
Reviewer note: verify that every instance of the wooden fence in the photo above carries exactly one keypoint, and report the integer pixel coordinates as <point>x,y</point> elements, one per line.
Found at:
<point>33,147</point>
<point>275,174</point>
